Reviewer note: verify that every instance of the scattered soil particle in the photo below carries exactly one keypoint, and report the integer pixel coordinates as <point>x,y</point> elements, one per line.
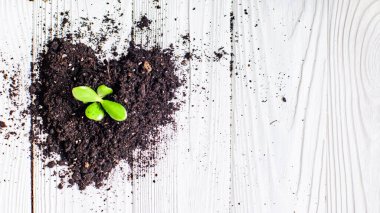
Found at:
<point>219,54</point>
<point>65,21</point>
<point>51,164</point>
<point>185,38</point>
<point>283,99</point>
<point>92,149</point>
<point>2,124</point>
<point>188,56</point>
<point>144,23</point>
<point>273,122</point>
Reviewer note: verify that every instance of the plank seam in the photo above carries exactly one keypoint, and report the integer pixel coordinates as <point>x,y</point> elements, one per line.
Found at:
<point>31,119</point>
<point>231,101</point>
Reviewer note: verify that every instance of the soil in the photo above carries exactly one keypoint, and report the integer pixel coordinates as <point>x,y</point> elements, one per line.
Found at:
<point>2,124</point>
<point>188,56</point>
<point>144,81</point>
<point>144,23</point>
<point>219,54</point>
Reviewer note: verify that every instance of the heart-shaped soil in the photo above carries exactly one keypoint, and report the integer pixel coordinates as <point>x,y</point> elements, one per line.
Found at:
<point>144,81</point>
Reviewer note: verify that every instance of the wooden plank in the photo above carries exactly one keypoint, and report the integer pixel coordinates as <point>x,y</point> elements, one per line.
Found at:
<point>194,175</point>
<point>15,57</point>
<point>47,198</point>
<point>210,108</point>
<point>158,190</point>
<point>316,151</point>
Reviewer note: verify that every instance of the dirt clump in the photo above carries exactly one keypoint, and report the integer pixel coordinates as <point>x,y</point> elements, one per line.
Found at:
<point>144,81</point>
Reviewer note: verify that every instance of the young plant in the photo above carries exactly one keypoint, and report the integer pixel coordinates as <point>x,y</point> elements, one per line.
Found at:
<point>95,111</point>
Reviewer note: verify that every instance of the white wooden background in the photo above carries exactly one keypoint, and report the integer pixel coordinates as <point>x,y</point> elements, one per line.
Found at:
<point>239,147</point>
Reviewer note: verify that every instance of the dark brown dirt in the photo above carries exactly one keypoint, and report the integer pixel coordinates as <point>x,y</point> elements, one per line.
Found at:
<point>185,38</point>
<point>144,23</point>
<point>188,56</point>
<point>219,54</point>
<point>2,124</point>
<point>144,81</point>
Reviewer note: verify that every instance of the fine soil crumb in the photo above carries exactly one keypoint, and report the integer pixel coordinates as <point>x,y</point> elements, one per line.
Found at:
<point>144,23</point>
<point>219,54</point>
<point>144,81</point>
<point>2,124</point>
<point>60,186</point>
<point>157,4</point>
<point>51,164</point>
<point>188,56</point>
<point>185,38</point>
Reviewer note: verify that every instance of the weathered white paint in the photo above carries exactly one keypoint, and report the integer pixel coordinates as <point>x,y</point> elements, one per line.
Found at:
<point>15,58</point>
<point>239,147</point>
<point>316,151</point>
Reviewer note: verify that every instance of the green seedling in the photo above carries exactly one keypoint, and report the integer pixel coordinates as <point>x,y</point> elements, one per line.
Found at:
<point>94,111</point>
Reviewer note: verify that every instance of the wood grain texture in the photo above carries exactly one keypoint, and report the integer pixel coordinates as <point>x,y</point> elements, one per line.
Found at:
<point>314,152</point>
<point>15,167</point>
<point>210,108</point>
<point>159,190</point>
<point>194,175</point>
<point>47,197</point>
<point>291,126</point>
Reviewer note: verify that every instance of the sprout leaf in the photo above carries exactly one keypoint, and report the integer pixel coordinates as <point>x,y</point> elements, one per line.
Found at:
<point>115,110</point>
<point>94,112</point>
<point>85,94</point>
<point>103,91</point>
